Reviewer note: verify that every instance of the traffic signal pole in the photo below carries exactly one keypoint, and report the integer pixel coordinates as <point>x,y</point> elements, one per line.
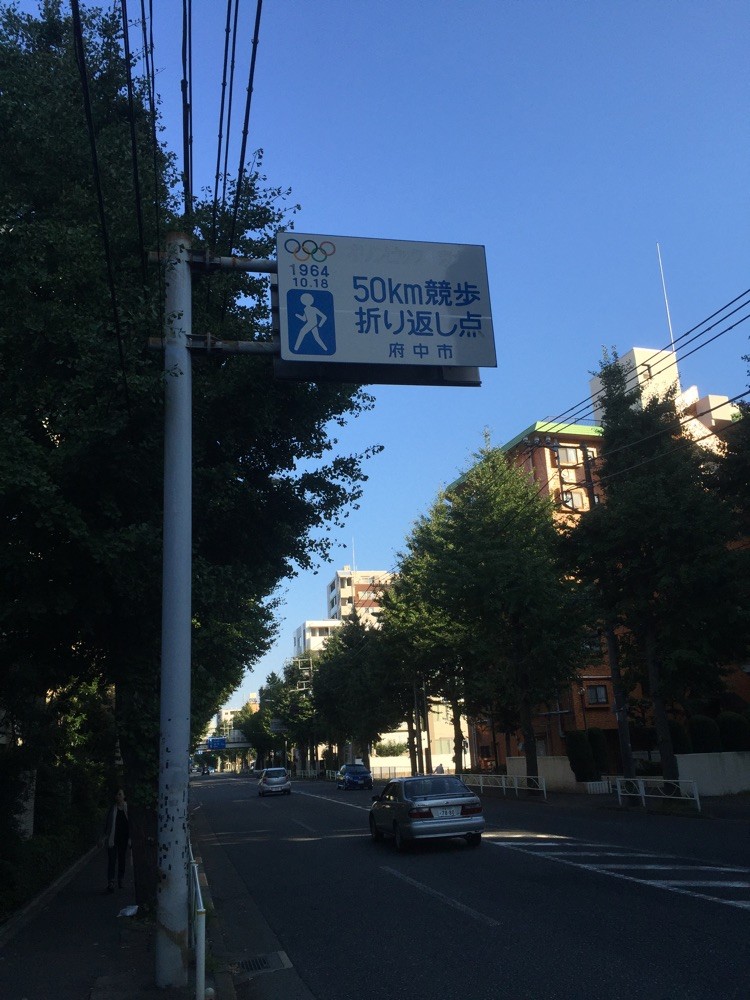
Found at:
<point>172,938</point>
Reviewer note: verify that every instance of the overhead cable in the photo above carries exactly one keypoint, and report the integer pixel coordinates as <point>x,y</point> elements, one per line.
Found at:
<point>81,63</point>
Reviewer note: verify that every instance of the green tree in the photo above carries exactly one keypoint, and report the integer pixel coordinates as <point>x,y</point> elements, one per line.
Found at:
<point>494,611</point>
<point>352,694</point>
<point>660,541</point>
<point>81,455</point>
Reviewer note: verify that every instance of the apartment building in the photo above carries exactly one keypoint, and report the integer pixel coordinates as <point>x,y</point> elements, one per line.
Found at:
<point>561,459</point>
<point>312,635</point>
<point>654,373</point>
<point>349,590</point>
<point>359,590</point>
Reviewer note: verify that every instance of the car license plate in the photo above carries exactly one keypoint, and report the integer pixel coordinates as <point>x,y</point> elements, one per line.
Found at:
<point>446,811</point>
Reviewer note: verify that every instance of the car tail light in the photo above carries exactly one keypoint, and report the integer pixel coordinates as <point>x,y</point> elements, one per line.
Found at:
<point>471,810</point>
<point>420,812</point>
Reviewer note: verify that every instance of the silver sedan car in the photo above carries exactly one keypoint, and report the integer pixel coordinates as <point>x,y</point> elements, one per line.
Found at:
<point>426,807</point>
<point>275,781</point>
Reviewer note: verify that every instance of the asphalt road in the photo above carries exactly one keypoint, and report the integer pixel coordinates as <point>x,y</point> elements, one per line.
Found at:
<point>557,904</point>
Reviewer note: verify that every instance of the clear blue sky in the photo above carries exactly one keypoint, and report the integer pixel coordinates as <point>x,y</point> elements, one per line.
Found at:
<point>566,137</point>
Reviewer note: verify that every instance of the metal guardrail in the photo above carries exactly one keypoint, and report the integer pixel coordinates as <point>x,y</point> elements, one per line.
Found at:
<point>657,788</point>
<point>197,921</point>
<point>506,782</point>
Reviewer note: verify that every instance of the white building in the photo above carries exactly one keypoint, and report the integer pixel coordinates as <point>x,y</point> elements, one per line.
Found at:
<point>357,590</point>
<point>349,590</point>
<point>655,373</point>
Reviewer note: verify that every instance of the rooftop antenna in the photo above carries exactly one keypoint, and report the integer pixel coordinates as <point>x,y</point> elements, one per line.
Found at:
<point>666,300</point>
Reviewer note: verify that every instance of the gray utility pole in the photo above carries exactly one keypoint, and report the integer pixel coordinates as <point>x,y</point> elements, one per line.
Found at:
<point>174,743</point>
<point>172,933</point>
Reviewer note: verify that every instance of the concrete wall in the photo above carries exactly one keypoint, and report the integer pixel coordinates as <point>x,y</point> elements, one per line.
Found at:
<point>556,772</point>
<point>716,773</point>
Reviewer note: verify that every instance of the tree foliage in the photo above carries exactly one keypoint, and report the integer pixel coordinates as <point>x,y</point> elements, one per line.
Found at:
<point>657,549</point>
<point>353,690</point>
<point>483,602</point>
<point>81,456</point>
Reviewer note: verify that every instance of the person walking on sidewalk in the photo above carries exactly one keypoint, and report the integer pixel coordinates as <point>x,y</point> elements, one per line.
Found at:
<point>117,838</point>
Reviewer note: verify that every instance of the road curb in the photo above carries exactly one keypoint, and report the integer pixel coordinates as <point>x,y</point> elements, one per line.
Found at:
<point>14,924</point>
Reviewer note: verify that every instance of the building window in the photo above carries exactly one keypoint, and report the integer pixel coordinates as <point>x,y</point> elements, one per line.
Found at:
<point>596,694</point>
<point>572,499</point>
<point>568,455</point>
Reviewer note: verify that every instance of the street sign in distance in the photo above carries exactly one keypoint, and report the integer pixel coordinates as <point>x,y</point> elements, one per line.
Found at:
<point>390,303</point>
<point>216,743</point>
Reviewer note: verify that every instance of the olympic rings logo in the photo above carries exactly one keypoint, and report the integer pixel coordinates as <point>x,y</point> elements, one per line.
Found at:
<point>309,249</point>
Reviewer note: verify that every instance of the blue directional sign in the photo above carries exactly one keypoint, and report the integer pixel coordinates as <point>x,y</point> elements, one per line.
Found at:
<point>383,302</point>
<point>216,743</point>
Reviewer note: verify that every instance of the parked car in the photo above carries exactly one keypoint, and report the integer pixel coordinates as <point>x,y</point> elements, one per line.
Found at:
<point>274,780</point>
<point>426,807</point>
<point>353,776</point>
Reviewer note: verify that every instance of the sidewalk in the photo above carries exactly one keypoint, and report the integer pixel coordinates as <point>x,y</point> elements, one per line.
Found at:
<point>71,944</point>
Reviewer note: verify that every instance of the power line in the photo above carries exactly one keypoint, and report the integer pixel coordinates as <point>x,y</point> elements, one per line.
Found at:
<point>133,142</point>
<point>214,212</point>
<point>250,84</point>
<point>148,49</point>
<point>229,108</point>
<point>186,88</point>
<point>81,62</point>
<point>685,441</point>
<point>575,413</point>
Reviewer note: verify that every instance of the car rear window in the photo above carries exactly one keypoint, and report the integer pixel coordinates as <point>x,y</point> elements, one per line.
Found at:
<point>420,787</point>
<point>276,772</point>
<point>357,769</point>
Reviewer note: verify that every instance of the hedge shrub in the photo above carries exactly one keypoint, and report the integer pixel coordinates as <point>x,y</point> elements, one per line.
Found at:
<point>735,731</point>
<point>580,755</point>
<point>705,734</point>
<point>598,742</point>
<point>681,741</point>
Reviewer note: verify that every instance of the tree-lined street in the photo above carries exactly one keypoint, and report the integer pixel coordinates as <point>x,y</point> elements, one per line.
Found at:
<point>561,901</point>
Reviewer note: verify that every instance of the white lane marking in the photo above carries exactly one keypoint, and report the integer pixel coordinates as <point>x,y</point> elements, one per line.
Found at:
<point>689,883</point>
<point>304,826</point>
<point>448,900</point>
<point>624,853</point>
<point>668,886</point>
<point>338,802</point>
<point>679,868</point>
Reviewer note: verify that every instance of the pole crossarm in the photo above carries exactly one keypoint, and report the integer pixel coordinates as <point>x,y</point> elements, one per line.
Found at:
<point>208,263</point>
<point>208,343</point>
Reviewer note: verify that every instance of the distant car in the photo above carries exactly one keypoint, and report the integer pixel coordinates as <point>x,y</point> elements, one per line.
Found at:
<point>426,807</point>
<point>353,776</point>
<point>273,781</point>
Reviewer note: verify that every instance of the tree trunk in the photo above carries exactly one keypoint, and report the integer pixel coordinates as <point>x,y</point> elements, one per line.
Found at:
<point>418,732</point>
<point>412,744</point>
<point>529,740</point>
<point>621,702</point>
<point>669,768</point>
<point>427,747</point>
<point>458,736</point>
